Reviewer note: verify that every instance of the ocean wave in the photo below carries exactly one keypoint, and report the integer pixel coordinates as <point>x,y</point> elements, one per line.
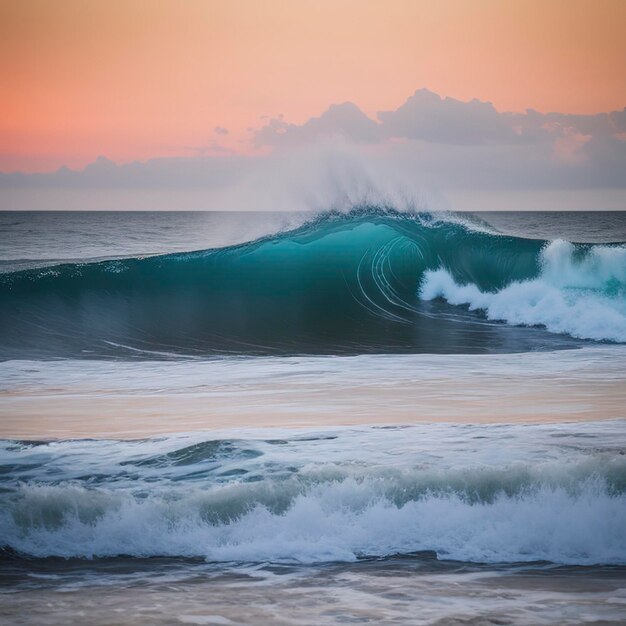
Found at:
<point>343,283</point>
<point>333,521</point>
<point>500,493</point>
<point>579,291</point>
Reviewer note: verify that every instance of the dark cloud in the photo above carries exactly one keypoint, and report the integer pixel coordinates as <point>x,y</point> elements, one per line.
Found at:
<point>220,130</point>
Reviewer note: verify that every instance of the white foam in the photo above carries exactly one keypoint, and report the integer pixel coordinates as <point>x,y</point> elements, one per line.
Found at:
<point>337,521</point>
<point>583,296</point>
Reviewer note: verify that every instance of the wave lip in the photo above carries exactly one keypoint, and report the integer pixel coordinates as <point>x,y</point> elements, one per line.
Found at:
<point>581,293</point>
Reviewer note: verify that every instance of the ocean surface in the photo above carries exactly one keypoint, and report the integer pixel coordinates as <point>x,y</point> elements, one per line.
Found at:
<point>288,418</point>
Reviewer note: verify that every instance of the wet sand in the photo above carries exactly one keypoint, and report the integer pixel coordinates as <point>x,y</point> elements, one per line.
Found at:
<point>400,590</point>
<point>78,399</point>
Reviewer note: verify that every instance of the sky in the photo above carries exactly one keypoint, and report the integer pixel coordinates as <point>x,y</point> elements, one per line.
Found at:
<point>141,80</point>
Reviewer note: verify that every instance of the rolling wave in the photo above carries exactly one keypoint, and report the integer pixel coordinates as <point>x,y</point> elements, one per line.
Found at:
<point>339,521</point>
<point>369,281</point>
<point>464,492</point>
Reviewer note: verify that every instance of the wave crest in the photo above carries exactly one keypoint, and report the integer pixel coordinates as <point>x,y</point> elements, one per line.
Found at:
<point>579,291</point>
<point>336,521</point>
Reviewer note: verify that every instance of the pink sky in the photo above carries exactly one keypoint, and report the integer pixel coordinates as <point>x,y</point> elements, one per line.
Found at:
<point>139,79</point>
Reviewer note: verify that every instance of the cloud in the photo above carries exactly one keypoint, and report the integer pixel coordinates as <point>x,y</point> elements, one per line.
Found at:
<point>606,161</point>
<point>425,116</point>
<point>428,117</point>
<point>339,120</point>
<point>613,123</point>
<point>198,171</point>
<point>343,157</point>
<point>220,130</point>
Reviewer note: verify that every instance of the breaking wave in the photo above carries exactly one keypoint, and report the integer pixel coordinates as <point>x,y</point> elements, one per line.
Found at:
<point>332,520</point>
<point>471,493</point>
<point>371,280</point>
<point>578,291</point>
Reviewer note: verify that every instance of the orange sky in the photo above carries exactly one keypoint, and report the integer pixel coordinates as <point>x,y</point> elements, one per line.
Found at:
<point>134,79</point>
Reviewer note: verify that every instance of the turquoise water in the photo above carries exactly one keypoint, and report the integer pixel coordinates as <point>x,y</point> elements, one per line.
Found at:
<point>372,281</point>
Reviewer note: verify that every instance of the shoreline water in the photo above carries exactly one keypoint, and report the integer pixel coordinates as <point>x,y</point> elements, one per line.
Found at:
<point>402,590</point>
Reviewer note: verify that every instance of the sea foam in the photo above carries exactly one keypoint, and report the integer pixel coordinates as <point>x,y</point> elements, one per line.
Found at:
<point>336,521</point>
<point>582,294</point>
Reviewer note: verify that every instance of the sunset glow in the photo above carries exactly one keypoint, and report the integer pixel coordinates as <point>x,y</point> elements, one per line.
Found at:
<point>142,79</point>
